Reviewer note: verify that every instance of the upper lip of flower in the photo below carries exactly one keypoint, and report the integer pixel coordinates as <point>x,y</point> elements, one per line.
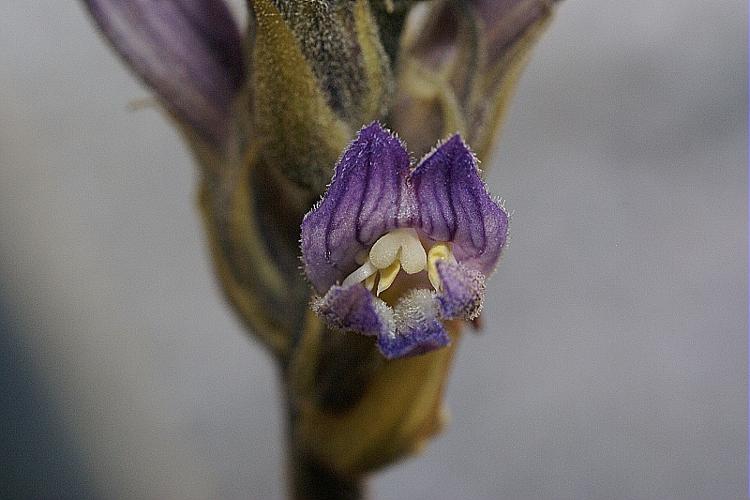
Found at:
<point>378,215</point>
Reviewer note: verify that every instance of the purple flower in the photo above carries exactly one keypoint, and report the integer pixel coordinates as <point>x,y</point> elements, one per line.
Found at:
<point>395,251</point>
<point>188,51</point>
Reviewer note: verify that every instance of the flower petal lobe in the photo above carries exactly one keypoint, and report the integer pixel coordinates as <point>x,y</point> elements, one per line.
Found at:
<point>454,205</point>
<point>362,203</point>
<point>188,51</point>
<point>462,291</point>
<point>352,308</point>
<point>418,327</point>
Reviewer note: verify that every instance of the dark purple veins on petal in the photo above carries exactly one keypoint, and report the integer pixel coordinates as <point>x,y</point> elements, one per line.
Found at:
<point>454,205</point>
<point>188,51</point>
<point>362,203</point>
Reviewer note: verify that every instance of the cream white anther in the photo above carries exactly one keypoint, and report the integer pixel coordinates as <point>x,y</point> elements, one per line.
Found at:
<point>438,252</point>
<point>402,244</point>
<point>396,250</point>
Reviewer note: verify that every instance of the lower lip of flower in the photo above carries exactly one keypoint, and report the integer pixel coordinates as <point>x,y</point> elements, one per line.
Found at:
<point>400,250</point>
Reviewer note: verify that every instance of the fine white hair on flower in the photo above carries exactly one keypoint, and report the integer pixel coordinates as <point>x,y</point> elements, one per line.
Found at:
<point>416,308</point>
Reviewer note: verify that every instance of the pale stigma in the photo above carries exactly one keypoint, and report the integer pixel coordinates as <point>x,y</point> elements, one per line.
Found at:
<point>361,274</point>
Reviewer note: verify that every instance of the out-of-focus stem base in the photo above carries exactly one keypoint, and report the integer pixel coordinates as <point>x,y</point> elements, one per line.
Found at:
<point>310,480</point>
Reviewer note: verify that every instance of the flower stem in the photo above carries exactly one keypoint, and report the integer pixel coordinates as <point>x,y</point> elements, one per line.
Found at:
<point>310,480</point>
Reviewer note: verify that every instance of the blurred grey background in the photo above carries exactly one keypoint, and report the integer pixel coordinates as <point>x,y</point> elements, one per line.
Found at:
<point>613,365</point>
